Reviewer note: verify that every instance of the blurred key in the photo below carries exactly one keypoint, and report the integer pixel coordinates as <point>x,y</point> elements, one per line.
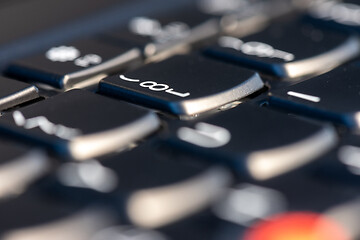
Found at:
<point>166,34</point>
<point>19,167</point>
<point>33,217</point>
<point>183,85</point>
<point>66,65</point>
<point>244,138</point>
<point>288,50</point>
<point>13,93</point>
<point>333,97</point>
<point>147,188</point>
<point>337,14</point>
<point>69,124</point>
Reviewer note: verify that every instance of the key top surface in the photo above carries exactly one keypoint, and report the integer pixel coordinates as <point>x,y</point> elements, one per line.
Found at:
<point>244,139</point>
<point>13,93</point>
<point>183,85</point>
<point>69,124</point>
<point>156,195</point>
<point>333,96</point>
<point>65,65</point>
<point>275,51</point>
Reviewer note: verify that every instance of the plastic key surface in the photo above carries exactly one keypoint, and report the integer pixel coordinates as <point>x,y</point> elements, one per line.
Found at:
<point>288,50</point>
<point>333,97</point>
<point>183,85</point>
<point>69,124</point>
<point>244,139</point>
<point>149,188</point>
<point>66,65</point>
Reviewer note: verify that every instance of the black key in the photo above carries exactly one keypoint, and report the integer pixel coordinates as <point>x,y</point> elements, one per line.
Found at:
<point>331,97</point>
<point>13,93</point>
<point>151,189</point>
<point>168,33</point>
<point>32,216</point>
<point>69,124</point>
<point>337,14</point>
<point>244,139</point>
<point>19,167</point>
<point>276,51</point>
<point>66,65</point>
<point>183,85</point>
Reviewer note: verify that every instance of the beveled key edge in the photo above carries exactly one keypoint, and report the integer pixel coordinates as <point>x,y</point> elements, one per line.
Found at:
<point>101,143</point>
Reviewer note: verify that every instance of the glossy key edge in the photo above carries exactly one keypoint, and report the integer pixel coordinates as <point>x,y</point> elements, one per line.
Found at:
<point>116,64</point>
<point>159,206</point>
<point>92,145</point>
<point>266,164</point>
<point>323,62</point>
<point>25,95</point>
<point>204,104</point>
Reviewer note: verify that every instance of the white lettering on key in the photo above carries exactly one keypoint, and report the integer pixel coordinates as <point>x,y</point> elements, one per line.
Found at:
<point>62,54</point>
<point>255,48</point>
<point>87,60</point>
<point>205,135</point>
<point>46,126</point>
<point>154,86</point>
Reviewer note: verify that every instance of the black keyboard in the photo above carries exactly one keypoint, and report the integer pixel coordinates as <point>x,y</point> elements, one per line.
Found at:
<point>169,120</point>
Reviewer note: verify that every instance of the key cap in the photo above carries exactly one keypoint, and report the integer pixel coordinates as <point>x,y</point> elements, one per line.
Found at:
<point>13,93</point>
<point>32,216</point>
<point>69,124</point>
<point>276,51</point>
<point>65,65</point>
<point>331,97</point>
<point>168,33</point>
<point>183,85</point>
<point>19,167</point>
<point>337,14</point>
<point>150,189</point>
<point>243,138</point>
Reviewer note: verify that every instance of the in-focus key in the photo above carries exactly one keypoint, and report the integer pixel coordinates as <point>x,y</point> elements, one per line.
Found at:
<point>255,142</point>
<point>80,124</point>
<point>183,85</point>
<point>147,188</point>
<point>66,65</point>
<point>13,93</point>
<point>333,97</point>
<point>288,50</point>
<point>19,167</point>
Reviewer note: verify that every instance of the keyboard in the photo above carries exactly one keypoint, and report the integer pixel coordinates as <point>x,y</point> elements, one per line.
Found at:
<point>169,120</point>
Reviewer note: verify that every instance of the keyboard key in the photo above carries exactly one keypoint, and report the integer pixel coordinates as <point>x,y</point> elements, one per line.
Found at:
<point>183,85</point>
<point>168,33</point>
<point>65,65</point>
<point>288,50</point>
<point>331,97</point>
<point>19,167</point>
<point>151,189</point>
<point>243,138</point>
<point>32,216</point>
<point>13,93</point>
<point>80,124</point>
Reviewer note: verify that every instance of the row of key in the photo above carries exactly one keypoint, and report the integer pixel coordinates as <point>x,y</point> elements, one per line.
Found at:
<point>154,130</point>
